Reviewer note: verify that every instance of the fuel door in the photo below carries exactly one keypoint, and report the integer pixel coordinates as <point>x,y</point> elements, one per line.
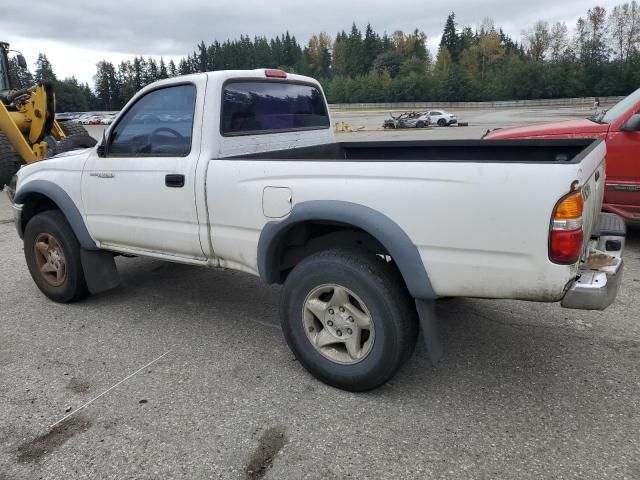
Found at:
<point>276,202</point>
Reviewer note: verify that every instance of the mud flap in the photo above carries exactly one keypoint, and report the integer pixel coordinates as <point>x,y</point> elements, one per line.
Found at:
<point>430,332</point>
<point>100,271</point>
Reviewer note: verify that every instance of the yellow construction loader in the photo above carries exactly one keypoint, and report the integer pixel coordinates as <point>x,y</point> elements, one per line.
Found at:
<point>28,128</point>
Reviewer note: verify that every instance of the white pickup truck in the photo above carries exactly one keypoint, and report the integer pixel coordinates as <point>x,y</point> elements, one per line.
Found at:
<point>240,170</point>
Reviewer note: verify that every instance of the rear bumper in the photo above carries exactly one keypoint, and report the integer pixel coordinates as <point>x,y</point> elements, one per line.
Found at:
<point>600,275</point>
<point>628,212</point>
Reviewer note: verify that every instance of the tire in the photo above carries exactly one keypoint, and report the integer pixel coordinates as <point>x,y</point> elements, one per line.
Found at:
<point>10,161</point>
<point>420,124</point>
<point>442,122</point>
<point>76,137</point>
<point>79,133</point>
<point>69,286</point>
<point>375,290</point>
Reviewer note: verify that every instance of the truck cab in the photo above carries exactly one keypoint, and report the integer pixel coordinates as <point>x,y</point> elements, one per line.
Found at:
<point>620,128</point>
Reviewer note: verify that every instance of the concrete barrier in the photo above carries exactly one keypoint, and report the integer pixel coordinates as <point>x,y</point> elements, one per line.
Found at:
<point>555,102</point>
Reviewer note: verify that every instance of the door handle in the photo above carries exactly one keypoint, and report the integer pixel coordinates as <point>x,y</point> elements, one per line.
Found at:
<point>174,180</point>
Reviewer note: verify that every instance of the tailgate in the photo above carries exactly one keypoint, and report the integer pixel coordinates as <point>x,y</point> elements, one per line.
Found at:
<point>592,182</point>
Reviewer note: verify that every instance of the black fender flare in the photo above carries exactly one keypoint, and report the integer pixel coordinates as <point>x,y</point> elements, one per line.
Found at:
<point>99,267</point>
<point>57,195</point>
<point>382,228</point>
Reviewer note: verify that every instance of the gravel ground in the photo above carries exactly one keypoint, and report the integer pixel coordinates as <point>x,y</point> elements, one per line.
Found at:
<point>525,390</point>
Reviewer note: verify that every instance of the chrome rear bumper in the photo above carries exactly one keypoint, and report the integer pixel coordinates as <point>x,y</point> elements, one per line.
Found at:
<point>600,275</point>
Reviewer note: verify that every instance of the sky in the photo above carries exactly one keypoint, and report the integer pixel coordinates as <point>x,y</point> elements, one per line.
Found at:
<point>75,35</point>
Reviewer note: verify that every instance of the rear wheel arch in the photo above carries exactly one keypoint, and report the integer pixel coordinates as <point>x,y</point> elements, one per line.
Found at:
<point>346,222</point>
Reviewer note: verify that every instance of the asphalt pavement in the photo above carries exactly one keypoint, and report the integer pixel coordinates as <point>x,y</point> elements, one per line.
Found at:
<point>525,390</point>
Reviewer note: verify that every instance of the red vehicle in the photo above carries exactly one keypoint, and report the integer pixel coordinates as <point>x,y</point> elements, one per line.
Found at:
<point>620,128</point>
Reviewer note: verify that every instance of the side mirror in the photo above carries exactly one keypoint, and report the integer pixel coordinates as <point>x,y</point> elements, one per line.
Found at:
<point>21,61</point>
<point>632,125</point>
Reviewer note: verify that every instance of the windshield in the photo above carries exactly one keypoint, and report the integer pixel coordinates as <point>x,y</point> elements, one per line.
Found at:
<point>610,116</point>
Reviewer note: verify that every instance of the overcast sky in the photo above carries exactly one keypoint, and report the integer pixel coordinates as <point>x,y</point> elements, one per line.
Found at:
<point>75,35</point>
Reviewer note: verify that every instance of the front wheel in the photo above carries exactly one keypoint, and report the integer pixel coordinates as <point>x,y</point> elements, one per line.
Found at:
<point>348,318</point>
<point>52,253</point>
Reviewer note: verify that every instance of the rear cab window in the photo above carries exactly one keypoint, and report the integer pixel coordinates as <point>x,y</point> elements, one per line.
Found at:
<point>251,107</point>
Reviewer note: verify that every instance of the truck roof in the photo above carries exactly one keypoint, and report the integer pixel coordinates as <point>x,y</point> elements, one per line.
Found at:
<point>224,75</point>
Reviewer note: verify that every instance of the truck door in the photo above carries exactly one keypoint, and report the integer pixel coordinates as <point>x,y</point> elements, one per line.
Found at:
<point>139,193</point>
<point>623,168</point>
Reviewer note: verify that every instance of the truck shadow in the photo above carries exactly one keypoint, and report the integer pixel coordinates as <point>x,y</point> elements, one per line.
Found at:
<point>539,354</point>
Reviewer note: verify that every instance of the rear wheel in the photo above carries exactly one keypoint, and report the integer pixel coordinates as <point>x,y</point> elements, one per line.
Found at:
<point>420,124</point>
<point>10,161</point>
<point>52,253</point>
<point>348,318</point>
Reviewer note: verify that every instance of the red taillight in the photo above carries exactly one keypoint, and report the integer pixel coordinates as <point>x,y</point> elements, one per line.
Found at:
<point>272,73</point>
<point>566,246</point>
<point>566,236</point>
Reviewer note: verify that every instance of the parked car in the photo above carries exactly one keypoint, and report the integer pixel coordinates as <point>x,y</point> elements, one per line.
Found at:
<point>442,118</point>
<point>65,116</point>
<point>364,236</point>
<point>82,118</point>
<point>620,128</point>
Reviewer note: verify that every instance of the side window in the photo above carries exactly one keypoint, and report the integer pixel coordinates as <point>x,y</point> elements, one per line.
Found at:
<point>434,113</point>
<point>158,124</point>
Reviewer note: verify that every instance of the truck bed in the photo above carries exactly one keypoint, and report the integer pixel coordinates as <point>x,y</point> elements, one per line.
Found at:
<point>565,151</point>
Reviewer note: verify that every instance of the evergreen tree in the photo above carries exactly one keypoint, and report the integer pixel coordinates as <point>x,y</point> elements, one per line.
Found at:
<point>44,70</point>
<point>162,73</point>
<point>371,48</point>
<point>184,67</point>
<point>355,53</point>
<point>450,39</point>
<point>152,73</point>
<point>70,97</point>
<point>107,86</point>
<point>173,71</point>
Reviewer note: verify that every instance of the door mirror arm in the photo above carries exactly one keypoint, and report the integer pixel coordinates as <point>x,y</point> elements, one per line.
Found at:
<point>102,147</point>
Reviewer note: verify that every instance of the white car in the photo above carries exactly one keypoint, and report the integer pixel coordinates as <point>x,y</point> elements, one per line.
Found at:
<point>82,118</point>
<point>442,118</point>
<point>244,173</point>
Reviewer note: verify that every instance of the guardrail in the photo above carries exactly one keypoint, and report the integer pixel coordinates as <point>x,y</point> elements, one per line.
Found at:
<point>555,102</point>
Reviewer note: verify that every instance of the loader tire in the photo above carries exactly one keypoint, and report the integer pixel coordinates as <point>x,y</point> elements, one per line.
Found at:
<point>79,133</point>
<point>10,161</point>
<point>76,137</point>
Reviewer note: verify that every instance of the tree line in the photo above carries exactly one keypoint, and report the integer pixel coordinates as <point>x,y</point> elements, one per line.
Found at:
<point>599,57</point>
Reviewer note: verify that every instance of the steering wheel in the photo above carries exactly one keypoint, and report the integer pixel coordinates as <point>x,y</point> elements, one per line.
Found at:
<point>168,130</point>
